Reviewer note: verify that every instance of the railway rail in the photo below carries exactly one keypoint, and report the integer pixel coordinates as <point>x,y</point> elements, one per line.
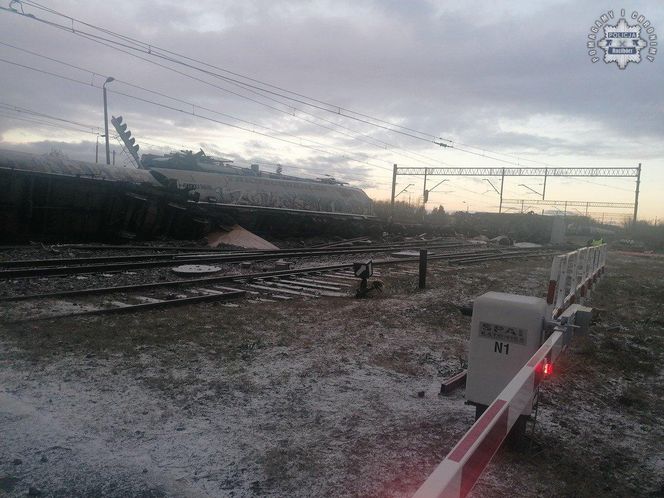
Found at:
<point>224,250</point>
<point>69,266</point>
<point>335,280</point>
<point>124,247</point>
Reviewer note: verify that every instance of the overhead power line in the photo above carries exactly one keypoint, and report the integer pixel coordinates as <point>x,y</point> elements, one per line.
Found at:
<point>318,147</point>
<point>43,123</point>
<point>57,123</point>
<point>606,185</point>
<point>246,82</point>
<point>349,133</point>
<point>161,52</point>
<point>176,99</point>
<point>31,112</point>
<point>164,54</point>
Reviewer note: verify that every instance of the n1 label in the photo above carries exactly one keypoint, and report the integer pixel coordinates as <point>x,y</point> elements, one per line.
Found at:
<point>501,347</point>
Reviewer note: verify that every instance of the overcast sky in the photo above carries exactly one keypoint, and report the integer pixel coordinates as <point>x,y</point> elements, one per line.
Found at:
<point>515,79</point>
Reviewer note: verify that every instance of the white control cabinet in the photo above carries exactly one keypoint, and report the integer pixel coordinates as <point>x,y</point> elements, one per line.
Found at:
<point>506,330</point>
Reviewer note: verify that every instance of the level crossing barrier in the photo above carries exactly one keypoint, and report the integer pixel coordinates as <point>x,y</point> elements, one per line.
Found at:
<point>572,276</point>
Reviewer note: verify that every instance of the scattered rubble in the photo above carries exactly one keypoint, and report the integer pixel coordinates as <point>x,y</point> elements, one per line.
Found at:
<point>502,240</point>
<point>238,237</point>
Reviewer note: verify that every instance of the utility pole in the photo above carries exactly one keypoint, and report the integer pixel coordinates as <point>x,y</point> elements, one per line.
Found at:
<point>394,186</point>
<point>108,147</point>
<point>546,171</point>
<point>97,150</point>
<point>502,182</point>
<point>424,190</point>
<point>636,195</point>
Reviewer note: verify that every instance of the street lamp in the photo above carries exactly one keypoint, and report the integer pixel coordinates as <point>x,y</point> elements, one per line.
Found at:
<point>108,147</point>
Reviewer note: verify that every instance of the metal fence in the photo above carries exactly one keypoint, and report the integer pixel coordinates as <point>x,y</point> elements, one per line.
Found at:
<point>573,275</point>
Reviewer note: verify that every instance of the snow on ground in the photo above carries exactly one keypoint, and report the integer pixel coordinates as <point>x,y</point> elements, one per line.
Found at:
<point>322,397</point>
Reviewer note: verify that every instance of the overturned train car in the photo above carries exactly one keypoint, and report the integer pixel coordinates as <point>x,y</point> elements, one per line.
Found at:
<point>50,197</point>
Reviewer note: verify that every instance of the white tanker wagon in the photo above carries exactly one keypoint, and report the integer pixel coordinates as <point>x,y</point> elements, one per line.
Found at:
<point>252,187</point>
<point>218,181</point>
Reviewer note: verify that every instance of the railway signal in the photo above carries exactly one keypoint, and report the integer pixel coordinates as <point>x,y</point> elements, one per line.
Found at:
<point>363,270</point>
<point>125,135</point>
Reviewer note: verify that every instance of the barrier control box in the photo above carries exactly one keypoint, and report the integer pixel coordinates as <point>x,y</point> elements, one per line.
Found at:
<point>506,330</point>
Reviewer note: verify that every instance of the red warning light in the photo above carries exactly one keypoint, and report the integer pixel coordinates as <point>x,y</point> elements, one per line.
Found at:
<point>547,368</point>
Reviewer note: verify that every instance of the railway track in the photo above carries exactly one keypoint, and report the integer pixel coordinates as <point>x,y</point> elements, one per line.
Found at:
<point>311,282</point>
<point>331,281</point>
<point>173,251</point>
<point>70,266</point>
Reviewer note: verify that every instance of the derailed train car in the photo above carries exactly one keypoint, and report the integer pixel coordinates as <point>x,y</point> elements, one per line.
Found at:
<point>50,197</point>
<point>54,198</point>
<point>219,182</point>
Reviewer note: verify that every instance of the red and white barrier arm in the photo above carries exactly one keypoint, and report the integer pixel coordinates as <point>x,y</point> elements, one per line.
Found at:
<point>456,475</point>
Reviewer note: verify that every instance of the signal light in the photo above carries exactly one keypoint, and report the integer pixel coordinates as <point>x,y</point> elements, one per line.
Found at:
<point>547,368</point>
<point>125,135</point>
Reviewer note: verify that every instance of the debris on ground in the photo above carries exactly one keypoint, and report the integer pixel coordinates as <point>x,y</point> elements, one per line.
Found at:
<point>527,245</point>
<point>501,240</point>
<point>238,237</point>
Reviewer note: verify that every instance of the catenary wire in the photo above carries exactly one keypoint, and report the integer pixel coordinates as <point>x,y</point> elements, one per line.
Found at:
<point>193,113</point>
<point>153,50</point>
